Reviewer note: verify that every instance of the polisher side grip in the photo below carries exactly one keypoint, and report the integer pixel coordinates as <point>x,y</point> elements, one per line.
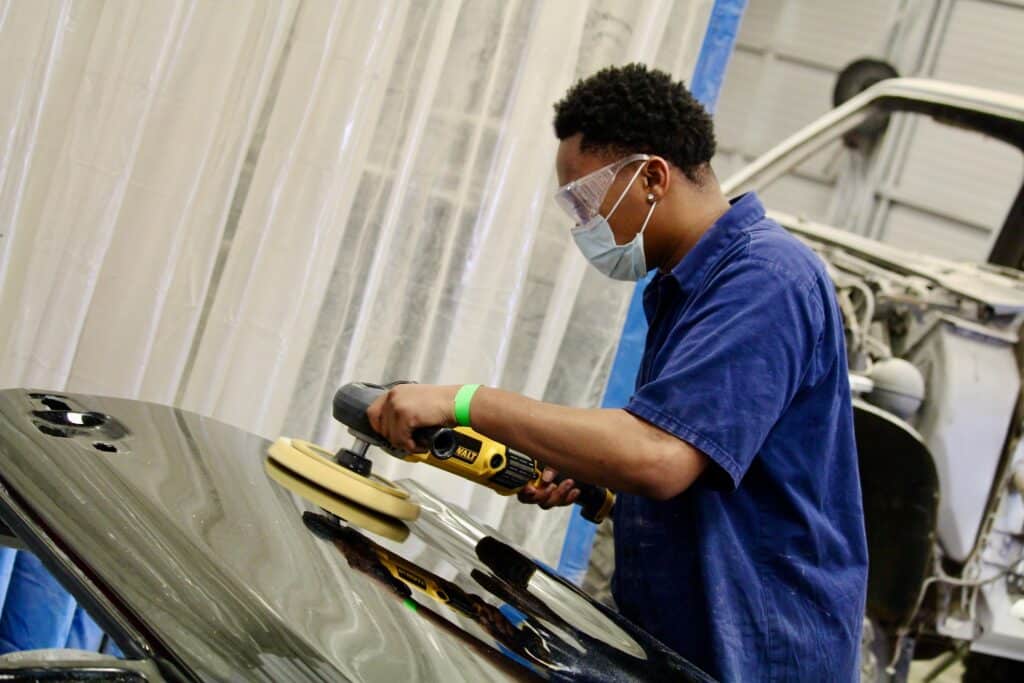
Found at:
<point>463,452</point>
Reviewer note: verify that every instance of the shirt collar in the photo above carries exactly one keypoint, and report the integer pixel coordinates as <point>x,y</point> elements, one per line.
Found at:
<point>744,211</point>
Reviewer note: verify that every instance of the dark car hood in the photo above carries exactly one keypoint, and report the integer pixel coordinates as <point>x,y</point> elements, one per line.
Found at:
<point>167,525</point>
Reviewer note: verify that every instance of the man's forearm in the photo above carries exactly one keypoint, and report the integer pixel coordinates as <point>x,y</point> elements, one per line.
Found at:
<point>600,446</point>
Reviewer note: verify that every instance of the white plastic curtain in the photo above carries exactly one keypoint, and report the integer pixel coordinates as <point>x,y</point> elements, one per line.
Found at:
<point>235,207</point>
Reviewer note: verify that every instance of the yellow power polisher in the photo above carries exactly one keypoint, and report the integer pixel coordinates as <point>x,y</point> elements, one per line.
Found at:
<point>461,451</point>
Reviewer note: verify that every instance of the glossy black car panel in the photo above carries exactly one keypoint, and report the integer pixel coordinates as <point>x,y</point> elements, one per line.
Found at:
<point>168,524</point>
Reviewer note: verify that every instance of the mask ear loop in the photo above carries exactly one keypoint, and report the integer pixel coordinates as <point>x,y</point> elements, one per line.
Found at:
<point>623,195</point>
<point>646,220</point>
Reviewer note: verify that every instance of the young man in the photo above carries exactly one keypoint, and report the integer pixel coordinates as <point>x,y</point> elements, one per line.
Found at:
<point>739,532</point>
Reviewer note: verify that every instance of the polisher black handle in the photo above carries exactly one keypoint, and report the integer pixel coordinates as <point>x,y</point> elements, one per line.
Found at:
<point>595,501</point>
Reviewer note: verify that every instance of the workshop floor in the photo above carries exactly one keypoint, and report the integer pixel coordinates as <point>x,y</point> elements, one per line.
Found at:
<point>918,670</point>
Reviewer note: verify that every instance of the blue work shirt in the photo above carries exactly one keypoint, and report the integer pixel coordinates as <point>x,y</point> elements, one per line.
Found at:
<point>758,571</point>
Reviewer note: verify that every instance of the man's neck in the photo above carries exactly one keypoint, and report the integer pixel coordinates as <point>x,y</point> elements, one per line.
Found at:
<point>697,220</point>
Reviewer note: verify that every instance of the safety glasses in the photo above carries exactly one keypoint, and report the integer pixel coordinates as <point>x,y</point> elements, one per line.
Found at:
<point>582,198</point>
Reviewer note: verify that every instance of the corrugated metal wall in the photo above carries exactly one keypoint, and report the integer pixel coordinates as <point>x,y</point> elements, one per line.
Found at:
<point>927,187</point>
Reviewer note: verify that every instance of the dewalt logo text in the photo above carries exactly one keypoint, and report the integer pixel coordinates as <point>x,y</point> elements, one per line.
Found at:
<point>464,454</point>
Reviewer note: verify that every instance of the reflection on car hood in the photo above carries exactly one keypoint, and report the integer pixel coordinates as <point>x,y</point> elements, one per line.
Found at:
<point>220,568</point>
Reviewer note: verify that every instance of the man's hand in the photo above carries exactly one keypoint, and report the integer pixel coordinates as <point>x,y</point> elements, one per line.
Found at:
<point>407,407</point>
<point>549,494</point>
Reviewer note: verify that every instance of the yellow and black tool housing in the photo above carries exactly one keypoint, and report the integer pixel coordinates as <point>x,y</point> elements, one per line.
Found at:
<point>482,460</point>
<point>471,455</point>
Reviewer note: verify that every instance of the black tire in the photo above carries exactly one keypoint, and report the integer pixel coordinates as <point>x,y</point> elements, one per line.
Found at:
<point>858,76</point>
<point>979,668</point>
<point>855,78</point>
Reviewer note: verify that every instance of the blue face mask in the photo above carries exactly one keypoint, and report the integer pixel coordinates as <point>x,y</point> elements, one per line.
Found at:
<point>597,243</point>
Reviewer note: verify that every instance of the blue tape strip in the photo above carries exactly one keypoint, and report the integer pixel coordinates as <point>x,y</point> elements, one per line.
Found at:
<point>719,40</point>
<point>715,51</point>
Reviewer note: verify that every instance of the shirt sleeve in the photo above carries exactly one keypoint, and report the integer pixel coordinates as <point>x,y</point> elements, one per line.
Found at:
<point>733,361</point>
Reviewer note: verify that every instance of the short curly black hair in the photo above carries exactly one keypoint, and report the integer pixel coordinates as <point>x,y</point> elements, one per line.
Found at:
<point>633,109</point>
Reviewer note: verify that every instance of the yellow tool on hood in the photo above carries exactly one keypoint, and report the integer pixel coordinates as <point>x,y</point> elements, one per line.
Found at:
<point>461,451</point>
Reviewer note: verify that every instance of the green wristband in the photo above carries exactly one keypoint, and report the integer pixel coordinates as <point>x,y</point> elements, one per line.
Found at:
<point>463,398</point>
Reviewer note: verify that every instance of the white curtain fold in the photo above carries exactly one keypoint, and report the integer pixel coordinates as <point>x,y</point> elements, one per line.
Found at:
<point>237,207</point>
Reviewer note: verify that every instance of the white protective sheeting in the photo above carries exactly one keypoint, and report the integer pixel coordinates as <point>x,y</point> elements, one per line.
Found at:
<point>236,207</point>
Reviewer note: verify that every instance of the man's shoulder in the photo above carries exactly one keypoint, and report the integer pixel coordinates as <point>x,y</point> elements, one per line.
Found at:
<point>770,259</point>
<point>772,248</point>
